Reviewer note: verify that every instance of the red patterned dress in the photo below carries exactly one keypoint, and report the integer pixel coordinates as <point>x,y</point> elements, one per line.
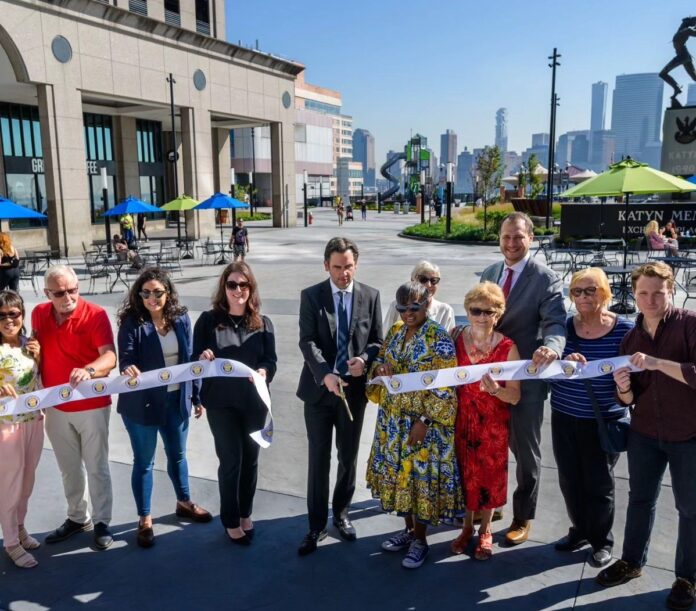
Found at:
<point>481,436</point>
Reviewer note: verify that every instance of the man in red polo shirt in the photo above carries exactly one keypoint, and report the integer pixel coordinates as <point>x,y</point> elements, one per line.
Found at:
<point>77,344</point>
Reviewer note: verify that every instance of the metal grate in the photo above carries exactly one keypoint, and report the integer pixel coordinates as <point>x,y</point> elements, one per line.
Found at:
<point>138,6</point>
<point>172,18</point>
<point>203,27</point>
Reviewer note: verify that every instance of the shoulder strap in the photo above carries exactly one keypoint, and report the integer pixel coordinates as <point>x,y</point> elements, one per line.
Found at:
<point>601,424</point>
<point>456,332</point>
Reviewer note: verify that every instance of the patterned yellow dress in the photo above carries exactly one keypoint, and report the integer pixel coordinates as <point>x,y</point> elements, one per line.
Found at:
<point>18,368</point>
<point>423,480</point>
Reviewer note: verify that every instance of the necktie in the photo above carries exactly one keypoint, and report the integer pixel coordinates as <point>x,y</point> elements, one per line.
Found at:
<point>507,285</point>
<point>342,343</point>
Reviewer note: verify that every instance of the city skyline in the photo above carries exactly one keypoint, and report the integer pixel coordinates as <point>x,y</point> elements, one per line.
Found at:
<point>496,59</point>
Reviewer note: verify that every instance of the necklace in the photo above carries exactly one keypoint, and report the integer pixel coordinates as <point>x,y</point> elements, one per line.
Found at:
<point>236,321</point>
<point>479,351</point>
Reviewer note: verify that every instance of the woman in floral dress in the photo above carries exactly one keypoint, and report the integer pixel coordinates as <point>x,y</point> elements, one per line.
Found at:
<point>21,436</point>
<point>412,467</point>
<point>484,412</point>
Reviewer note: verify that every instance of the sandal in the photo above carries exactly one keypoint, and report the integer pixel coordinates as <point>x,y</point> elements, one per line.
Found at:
<point>484,549</point>
<point>459,545</point>
<point>26,540</point>
<point>21,557</point>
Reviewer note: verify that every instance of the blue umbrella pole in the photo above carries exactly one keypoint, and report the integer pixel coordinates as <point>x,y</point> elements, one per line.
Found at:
<point>223,259</point>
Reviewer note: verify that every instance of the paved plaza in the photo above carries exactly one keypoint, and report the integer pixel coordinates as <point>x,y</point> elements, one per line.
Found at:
<point>193,566</point>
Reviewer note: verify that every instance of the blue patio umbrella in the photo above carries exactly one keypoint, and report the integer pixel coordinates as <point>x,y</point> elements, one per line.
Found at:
<point>10,210</point>
<point>221,201</point>
<point>131,205</point>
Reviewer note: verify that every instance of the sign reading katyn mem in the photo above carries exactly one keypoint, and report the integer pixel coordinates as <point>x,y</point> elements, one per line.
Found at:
<point>679,141</point>
<point>582,220</point>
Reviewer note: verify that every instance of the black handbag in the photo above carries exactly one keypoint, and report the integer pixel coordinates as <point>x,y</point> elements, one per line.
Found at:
<point>613,434</point>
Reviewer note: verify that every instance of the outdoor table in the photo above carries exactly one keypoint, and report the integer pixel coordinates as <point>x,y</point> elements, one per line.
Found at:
<point>624,298</point>
<point>44,254</point>
<point>99,245</point>
<point>679,264</point>
<point>223,252</point>
<point>117,265</point>
<point>542,241</point>
<point>187,245</point>
<point>599,246</point>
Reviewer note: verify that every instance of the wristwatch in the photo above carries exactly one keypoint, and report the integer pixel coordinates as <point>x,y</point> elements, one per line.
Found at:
<point>425,420</point>
<point>91,371</point>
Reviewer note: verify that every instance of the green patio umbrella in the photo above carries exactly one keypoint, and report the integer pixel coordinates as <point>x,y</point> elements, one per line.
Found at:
<point>629,177</point>
<point>183,202</point>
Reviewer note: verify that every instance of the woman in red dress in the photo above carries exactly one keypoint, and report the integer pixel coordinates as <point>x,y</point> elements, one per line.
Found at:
<point>481,433</point>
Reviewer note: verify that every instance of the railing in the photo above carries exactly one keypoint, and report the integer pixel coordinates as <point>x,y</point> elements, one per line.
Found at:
<point>172,18</point>
<point>203,27</point>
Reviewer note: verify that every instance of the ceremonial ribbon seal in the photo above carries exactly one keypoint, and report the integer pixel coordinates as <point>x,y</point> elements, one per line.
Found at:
<point>98,387</point>
<point>506,370</point>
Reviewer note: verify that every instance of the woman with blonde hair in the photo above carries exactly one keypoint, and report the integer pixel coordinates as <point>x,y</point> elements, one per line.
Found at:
<point>9,264</point>
<point>657,241</point>
<point>585,470</point>
<point>428,274</point>
<point>482,428</point>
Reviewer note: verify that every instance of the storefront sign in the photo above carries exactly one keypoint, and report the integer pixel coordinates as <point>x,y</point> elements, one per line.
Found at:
<point>37,165</point>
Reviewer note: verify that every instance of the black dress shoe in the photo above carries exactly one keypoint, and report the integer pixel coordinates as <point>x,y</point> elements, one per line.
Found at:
<point>66,530</point>
<point>244,540</point>
<point>146,536</point>
<point>570,543</point>
<point>345,528</point>
<point>249,533</point>
<point>102,537</point>
<point>309,543</point>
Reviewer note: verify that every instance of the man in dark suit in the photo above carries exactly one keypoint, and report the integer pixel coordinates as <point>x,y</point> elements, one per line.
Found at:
<point>340,335</point>
<point>534,319</point>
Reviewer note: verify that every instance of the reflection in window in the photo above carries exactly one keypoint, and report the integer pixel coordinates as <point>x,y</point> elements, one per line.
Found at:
<point>21,133</point>
<point>98,140</point>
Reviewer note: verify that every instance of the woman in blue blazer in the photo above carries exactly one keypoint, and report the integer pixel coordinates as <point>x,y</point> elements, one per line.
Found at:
<point>155,332</point>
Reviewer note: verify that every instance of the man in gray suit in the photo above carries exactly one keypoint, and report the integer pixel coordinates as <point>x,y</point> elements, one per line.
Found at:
<point>340,335</point>
<point>534,319</point>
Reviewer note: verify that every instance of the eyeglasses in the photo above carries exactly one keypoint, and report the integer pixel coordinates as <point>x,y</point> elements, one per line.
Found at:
<point>480,312</point>
<point>429,280</point>
<point>414,307</point>
<point>12,315</point>
<point>157,294</point>
<point>588,292</point>
<point>61,294</point>
<point>231,285</point>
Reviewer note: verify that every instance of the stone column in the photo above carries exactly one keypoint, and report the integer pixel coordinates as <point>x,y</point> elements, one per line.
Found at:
<point>221,159</point>
<point>126,145</point>
<point>67,190</point>
<point>283,174</point>
<point>197,164</point>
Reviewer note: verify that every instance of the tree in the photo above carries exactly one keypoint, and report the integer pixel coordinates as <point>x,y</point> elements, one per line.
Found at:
<point>536,184</point>
<point>489,168</point>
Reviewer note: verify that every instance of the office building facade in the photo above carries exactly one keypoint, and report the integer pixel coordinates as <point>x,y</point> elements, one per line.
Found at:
<point>448,147</point>
<point>364,152</point>
<point>501,129</point>
<point>598,109</point>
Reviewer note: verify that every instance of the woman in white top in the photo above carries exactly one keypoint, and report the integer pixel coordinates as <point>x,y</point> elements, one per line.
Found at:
<point>427,274</point>
<point>155,333</point>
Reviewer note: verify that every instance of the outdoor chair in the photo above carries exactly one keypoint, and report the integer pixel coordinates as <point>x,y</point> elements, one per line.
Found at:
<point>27,272</point>
<point>170,259</point>
<point>95,269</point>
<point>557,259</point>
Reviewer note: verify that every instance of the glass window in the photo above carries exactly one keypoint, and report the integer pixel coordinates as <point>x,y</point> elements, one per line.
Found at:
<point>300,132</point>
<point>139,138</point>
<point>107,144</point>
<point>28,148</point>
<point>100,141</point>
<point>91,145</point>
<point>6,136</point>
<point>38,150</point>
<point>17,138</point>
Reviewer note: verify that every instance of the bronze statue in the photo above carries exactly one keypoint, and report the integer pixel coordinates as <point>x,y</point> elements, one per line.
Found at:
<point>686,30</point>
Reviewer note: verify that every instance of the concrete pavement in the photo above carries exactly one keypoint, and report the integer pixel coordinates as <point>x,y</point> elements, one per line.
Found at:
<point>194,566</point>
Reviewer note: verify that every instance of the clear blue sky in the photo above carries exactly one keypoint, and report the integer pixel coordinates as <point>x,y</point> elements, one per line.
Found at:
<point>426,66</point>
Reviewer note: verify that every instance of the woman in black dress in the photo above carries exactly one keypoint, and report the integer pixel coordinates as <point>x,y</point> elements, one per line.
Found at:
<point>235,329</point>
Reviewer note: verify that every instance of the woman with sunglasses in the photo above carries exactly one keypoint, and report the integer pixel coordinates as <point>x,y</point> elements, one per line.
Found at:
<point>154,333</point>
<point>235,329</point>
<point>412,468</point>
<point>428,274</point>
<point>21,436</point>
<point>585,470</point>
<point>484,412</point>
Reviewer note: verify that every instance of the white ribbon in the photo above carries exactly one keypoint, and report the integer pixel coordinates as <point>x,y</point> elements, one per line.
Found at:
<point>506,370</point>
<point>99,387</point>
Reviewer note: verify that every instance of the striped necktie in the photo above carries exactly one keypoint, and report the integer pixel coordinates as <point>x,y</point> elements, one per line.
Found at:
<point>342,330</point>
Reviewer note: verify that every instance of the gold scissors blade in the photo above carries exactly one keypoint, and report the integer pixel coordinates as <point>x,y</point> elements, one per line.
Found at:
<point>345,402</point>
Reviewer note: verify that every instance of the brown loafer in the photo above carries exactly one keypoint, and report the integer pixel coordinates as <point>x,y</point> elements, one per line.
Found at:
<point>518,532</point>
<point>145,537</point>
<point>193,513</point>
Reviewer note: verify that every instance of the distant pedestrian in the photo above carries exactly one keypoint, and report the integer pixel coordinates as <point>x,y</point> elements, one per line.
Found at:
<point>239,242</point>
<point>141,227</point>
<point>363,210</point>
<point>339,213</point>
<point>9,264</point>
<point>126,222</point>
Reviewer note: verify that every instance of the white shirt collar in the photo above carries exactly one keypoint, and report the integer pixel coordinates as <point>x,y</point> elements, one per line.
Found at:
<point>520,265</point>
<point>335,289</point>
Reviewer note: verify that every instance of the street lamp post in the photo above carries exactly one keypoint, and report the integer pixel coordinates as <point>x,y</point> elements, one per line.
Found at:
<point>448,222</point>
<point>552,134</point>
<point>422,185</point>
<point>174,157</point>
<point>252,197</point>
<point>107,219</point>
<point>304,190</point>
<point>233,191</point>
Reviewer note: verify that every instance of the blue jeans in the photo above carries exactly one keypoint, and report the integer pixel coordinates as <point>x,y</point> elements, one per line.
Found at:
<point>144,441</point>
<point>647,460</point>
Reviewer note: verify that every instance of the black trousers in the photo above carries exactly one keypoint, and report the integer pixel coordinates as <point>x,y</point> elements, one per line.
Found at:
<point>238,455</point>
<point>586,478</point>
<point>321,419</point>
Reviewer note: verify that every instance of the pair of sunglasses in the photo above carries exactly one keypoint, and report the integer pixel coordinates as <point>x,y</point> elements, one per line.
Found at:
<point>428,280</point>
<point>61,294</point>
<point>233,286</point>
<point>480,312</point>
<point>414,307</point>
<point>588,292</point>
<point>157,294</point>
<point>12,315</point>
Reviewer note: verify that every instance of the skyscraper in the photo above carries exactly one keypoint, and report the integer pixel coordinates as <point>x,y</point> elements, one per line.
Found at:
<point>448,147</point>
<point>364,152</point>
<point>636,115</point>
<point>599,106</point>
<point>691,95</point>
<point>501,135</point>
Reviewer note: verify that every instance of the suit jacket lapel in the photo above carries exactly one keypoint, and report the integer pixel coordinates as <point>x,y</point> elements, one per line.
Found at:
<point>523,280</point>
<point>327,302</point>
<point>357,305</point>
